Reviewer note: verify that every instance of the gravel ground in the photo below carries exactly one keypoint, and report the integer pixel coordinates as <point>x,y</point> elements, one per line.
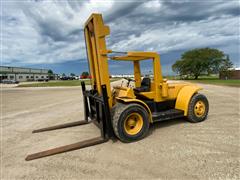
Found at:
<point>174,149</point>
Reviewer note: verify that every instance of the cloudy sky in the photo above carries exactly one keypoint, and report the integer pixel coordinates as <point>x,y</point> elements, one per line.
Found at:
<point>49,34</point>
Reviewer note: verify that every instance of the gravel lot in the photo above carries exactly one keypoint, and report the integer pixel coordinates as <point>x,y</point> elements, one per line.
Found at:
<point>174,149</point>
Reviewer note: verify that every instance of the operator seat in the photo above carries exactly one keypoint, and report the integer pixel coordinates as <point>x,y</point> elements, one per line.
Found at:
<point>145,85</point>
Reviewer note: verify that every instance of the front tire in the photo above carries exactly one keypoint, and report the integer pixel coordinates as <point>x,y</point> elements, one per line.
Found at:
<point>198,108</point>
<point>130,122</point>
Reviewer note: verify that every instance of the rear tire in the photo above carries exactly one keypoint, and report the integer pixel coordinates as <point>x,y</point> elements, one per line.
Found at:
<point>198,108</point>
<point>130,122</point>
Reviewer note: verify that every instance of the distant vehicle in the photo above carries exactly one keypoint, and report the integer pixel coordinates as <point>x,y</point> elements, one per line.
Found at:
<point>41,80</point>
<point>86,77</point>
<point>64,78</point>
<point>67,78</point>
<point>8,81</point>
<point>71,78</point>
<point>77,77</point>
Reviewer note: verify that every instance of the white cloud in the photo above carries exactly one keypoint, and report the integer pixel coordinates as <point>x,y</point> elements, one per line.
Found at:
<point>51,32</point>
<point>183,36</point>
<point>152,5</point>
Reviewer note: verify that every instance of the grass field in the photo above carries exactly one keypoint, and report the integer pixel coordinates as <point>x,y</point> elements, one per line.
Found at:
<point>59,83</point>
<point>213,79</point>
<point>54,83</point>
<point>230,82</point>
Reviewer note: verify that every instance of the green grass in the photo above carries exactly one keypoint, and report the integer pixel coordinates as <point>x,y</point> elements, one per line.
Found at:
<point>215,81</point>
<point>212,79</point>
<point>54,83</point>
<point>59,83</point>
<point>202,77</point>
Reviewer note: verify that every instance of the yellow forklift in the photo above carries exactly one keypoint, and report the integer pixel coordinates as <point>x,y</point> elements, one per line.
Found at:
<point>123,111</point>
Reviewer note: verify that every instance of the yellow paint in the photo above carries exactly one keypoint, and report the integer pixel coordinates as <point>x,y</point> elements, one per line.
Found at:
<point>157,72</point>
<point>126,93</point>
<point>90,57</point>
<point>133,123</point>
<point>173,90</point>
<point>127,100</point>
<point>137,73</point>
<point>165,89</point>
<point>95,33</point>
<point>149,95</point>
<point>184,97</point>
<point>199,108</point>
<point>96,65</point>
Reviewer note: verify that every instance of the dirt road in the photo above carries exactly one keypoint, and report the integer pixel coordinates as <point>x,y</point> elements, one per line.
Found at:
<point>173,150</point>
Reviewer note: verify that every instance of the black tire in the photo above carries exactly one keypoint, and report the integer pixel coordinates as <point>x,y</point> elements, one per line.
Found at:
<point>192,115</point>
<point>120,112</point>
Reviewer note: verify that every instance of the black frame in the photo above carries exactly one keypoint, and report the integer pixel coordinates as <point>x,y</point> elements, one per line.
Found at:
<point>96,109</point>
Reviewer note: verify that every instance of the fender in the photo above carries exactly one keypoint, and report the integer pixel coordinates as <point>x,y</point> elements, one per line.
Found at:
<point>184,96</point>
<point>127,100</point>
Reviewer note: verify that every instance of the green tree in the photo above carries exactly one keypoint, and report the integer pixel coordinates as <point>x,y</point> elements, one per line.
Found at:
<point>63,74</point>
<point>199,61</point>
<point>85,74</point>
<point>225,67</point>
<point>181,68</point>
<point>72,74</point>
<point>50,72</point>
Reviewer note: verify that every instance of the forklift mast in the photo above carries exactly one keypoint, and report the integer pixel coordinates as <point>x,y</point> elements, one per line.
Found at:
<point>95,32</point>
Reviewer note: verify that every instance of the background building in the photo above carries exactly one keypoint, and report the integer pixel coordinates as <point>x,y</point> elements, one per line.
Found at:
<point>24,74</point>
<point>233,73</point>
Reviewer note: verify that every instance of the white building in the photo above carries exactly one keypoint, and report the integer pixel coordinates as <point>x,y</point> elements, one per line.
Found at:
<point>23,74</point>
<point>128,75</point>
<point>122,75</point>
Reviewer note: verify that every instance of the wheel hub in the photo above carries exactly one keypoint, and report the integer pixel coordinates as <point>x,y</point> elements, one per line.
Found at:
<point>133,124</point>
<point>199,108</point>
